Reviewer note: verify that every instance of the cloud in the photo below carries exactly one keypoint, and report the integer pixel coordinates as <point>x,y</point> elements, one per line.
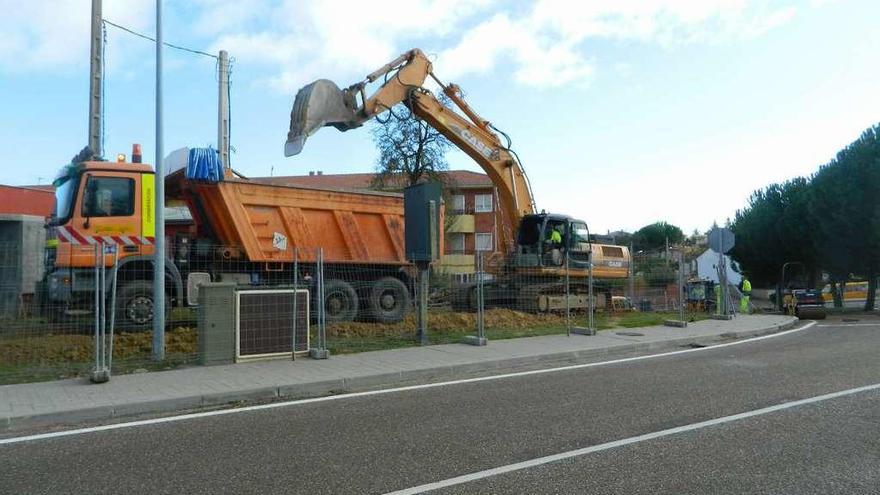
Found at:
<point>218,16</point>
<point>45,36</point>
<point>545,44</point>
<point>539,59</point>
<point>307,40</point>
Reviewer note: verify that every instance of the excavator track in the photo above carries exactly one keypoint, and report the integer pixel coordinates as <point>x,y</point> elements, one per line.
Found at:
<point>549,297</point>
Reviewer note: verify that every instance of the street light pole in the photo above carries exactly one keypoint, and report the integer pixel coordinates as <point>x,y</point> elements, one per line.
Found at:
<point>159,253</point>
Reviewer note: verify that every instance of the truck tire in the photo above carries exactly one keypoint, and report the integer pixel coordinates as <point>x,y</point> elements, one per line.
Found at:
<point>388,300</point>
<point>340,301</point>
<point>134,305</point>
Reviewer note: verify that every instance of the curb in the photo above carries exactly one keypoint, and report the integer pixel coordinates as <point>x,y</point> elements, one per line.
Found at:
<point>354,384</point>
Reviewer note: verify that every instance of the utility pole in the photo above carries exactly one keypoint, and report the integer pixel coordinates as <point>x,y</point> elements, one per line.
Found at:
<point>223,109</point>
<point>159,254</point>
<point>96,83</point>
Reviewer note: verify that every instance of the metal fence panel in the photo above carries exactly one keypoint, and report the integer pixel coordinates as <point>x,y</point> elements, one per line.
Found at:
<point>47,326</point>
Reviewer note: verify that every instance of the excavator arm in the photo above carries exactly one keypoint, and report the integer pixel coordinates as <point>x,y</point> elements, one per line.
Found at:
<point>322,103</point>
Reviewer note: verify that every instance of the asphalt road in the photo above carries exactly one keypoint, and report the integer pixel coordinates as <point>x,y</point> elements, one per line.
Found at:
<point>382,443</point>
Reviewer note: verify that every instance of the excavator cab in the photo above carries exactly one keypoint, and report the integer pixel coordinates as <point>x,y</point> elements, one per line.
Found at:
<point>544,240</point>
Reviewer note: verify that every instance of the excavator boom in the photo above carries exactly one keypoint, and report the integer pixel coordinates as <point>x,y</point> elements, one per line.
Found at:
<point>322,103</point>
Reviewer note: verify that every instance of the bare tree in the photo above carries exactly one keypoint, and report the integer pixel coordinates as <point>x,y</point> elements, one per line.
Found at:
<point>410,151</point>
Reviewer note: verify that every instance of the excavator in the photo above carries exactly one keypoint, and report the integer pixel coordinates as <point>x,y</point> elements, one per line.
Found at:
<point>541,252</point>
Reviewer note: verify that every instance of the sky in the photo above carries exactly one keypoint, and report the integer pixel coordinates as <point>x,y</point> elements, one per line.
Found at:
<point>622,112</point>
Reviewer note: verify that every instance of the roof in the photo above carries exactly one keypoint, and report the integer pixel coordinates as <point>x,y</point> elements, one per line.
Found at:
<point>116,166</point>
<point>39,187</point>
<point>26,200</point>
<point>457,179</point>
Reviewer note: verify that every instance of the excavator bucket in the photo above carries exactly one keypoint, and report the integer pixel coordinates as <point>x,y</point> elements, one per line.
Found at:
<point>318,104</point>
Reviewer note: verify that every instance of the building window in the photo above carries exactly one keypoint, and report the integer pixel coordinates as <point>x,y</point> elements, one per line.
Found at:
<point>456,243</point>
<point>458,204</point>
<point>483,203</point>
<point>483,242</point>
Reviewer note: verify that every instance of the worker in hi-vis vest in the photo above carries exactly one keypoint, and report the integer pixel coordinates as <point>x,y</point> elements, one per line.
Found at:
<point>746,292</point>
<point>555,243</point>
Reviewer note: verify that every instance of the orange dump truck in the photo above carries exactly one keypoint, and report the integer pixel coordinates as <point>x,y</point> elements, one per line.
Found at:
<point>244,231</point>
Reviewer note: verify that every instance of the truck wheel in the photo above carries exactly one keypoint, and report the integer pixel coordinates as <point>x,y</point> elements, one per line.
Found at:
<point>134,305</point>
<point>388,300</point>
<point>340,301</point>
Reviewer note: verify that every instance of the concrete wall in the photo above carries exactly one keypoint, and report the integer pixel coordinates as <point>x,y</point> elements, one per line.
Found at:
<point>22,244</point>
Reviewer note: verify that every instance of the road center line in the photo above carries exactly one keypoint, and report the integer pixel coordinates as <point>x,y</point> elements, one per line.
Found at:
<point>467,478</point>
<point>273,405</point>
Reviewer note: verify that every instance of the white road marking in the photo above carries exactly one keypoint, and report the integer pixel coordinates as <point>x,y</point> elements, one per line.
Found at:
<point>222,412</point>
<point>837,325</point>
<point>467,478</point>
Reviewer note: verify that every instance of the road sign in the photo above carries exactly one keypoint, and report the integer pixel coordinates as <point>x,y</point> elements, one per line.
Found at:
<point>721,238</point>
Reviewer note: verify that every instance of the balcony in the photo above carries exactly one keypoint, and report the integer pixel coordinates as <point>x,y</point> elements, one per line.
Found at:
<point>456,263</point>
<point>460,224</point>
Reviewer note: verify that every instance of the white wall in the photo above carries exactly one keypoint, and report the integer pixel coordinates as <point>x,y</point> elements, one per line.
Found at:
<point>706,267</point>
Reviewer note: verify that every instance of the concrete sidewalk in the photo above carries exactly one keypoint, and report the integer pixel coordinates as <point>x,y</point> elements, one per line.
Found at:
<point>70,401</point>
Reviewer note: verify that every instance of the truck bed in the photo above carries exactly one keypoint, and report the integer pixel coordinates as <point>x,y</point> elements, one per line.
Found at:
<point>267,221</point>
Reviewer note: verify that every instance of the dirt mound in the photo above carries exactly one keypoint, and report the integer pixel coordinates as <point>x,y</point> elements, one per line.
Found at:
<point>447,321</point>
<point>54,349</point>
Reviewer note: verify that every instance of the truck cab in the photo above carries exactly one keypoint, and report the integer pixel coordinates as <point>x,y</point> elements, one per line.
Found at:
<point>102,203</point>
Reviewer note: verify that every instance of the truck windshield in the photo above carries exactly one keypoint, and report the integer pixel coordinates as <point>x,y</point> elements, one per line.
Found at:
<point>65,190</point>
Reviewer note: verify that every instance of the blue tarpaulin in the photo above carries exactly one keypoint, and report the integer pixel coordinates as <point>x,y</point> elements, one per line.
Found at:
<point>204,164</point>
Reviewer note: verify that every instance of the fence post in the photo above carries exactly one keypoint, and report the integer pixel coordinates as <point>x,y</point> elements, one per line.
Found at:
<point>112,310</point>
<point>591,303</point>
<point>97,283</point>
<point>567,296</point>
<point>295,297</point>
<point>680,322</point>
<point>320,352</point>
<point>424,273</point>
<point>480,338</point>
<point>632,277</point>
<point>681,285</point>
<point>481,328</point>
<point>590,329</point>
<point>100,373</point>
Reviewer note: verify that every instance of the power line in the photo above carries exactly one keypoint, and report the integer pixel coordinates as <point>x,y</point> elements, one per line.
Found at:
<point>144,36</point>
